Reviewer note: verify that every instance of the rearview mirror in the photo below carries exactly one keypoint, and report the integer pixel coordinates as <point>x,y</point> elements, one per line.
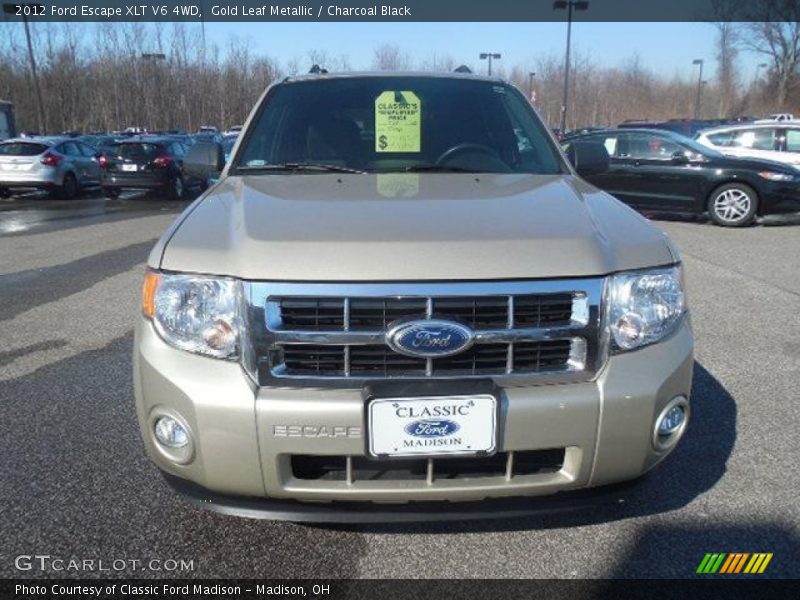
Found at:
<point>205,160</point>
<point>588,158</point>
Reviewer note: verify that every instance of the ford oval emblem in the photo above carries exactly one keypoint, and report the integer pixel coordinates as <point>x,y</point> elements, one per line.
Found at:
<point>431,338</point>
<point>432,428</point>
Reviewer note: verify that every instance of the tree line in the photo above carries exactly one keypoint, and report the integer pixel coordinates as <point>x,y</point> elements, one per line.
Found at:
<point>162,76</point>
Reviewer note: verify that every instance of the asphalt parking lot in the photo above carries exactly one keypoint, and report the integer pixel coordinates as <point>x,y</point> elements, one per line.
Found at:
<point>75,484</point>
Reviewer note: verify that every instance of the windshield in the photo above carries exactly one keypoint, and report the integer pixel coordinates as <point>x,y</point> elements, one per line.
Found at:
<point>395,124</point>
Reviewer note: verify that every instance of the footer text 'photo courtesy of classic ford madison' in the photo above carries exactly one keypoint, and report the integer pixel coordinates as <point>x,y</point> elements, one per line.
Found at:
<point>402,300</point>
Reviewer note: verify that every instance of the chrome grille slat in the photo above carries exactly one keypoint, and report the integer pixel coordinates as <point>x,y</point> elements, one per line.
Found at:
<point>547,330</point>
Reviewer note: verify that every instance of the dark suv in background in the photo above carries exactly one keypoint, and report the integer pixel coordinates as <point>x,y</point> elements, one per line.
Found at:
<point>146,163</point>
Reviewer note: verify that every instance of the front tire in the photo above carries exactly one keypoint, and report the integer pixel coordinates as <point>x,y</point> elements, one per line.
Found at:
<point>733,205</point>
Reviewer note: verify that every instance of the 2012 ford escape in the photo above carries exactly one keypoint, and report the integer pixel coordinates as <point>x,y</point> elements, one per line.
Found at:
<point>402,293</point>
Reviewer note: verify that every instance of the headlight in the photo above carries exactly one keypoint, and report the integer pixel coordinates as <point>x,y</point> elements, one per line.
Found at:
<point>194,313</point>
<point>773,176</point>
<point>645,306</point>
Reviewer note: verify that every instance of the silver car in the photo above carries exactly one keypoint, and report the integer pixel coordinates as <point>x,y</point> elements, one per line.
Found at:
<point>62,166</point>
<point>776,141</point>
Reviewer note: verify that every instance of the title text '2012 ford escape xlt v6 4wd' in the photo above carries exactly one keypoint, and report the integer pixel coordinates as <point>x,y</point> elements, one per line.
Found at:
<point>400,296</point>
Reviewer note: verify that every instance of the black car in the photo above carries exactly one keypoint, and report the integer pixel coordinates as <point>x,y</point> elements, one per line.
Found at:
<point>145,163</point>
<point>662,171</point>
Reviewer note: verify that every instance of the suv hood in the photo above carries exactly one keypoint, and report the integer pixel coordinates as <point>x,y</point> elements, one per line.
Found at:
<point>342,227</point>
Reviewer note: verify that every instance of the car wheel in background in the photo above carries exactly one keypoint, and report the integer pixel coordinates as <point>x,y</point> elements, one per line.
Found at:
<point>111,193</point>
<point>5,192</point>
<point>176,189</point>
<point>733,205</point>
<point>69,187</point>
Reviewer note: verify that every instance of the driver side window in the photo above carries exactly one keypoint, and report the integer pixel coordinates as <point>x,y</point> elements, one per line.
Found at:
<point>648,147</point>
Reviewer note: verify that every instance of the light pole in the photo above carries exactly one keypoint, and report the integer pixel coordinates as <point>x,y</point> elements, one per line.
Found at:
<point>531,75</point>
<point>569,5</point>
<point>698,61</point>
<point>490,56</point>
<point>12,9</point>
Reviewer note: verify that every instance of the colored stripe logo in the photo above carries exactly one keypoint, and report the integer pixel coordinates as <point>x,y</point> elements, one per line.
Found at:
<point>725,563</point>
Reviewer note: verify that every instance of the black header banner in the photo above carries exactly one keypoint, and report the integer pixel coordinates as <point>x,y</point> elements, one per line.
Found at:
<point>401,10</point>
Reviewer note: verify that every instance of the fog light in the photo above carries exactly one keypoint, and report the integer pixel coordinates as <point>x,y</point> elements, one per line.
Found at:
<point>671,422</point>
<point>170,433</point>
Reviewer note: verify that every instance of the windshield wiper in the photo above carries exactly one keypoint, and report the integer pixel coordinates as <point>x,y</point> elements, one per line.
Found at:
<point>438,169</point>
<point>297,166</point>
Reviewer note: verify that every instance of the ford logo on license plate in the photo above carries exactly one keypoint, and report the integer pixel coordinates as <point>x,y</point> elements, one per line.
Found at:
<point>431,428</point>
<point>430,338</point>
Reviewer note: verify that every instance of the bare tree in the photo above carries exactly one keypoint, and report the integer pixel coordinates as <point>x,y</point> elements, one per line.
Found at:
<point>439,63</point>
<point>93,77</point>
<point>390,57</point>
<point>726,41</point>
<point>726,66</point>
<point>324,60</point>
<point>774,32</point>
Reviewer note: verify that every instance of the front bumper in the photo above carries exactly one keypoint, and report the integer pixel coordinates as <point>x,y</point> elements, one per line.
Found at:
<point>780,198</point>
<point>242,449</point>
<point>413,512</point>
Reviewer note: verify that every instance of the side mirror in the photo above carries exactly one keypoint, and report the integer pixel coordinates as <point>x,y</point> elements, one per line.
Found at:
<point>679,157</point>
<point>588,158</point>
<point>204,160</point>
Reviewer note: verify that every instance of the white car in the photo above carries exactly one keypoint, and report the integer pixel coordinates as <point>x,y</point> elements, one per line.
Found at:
<point>775,141</point>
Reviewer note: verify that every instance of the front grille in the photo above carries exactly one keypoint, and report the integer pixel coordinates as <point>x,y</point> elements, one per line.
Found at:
<point>376,314</point>
<point>371,314</point>
<point>502,464</point>
<point>307,332</point>
<point>312,314</point>
<point>318,360</point>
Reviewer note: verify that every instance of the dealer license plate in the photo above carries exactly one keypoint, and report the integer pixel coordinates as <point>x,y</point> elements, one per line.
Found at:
<point>129,167</point>
<point>432,426</point>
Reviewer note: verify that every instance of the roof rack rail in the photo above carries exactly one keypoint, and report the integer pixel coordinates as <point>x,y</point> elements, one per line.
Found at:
<point>462,69</point>
<point>317,70</point>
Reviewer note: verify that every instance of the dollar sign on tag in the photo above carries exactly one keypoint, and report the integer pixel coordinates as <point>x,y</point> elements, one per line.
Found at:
<point>382,143</point>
